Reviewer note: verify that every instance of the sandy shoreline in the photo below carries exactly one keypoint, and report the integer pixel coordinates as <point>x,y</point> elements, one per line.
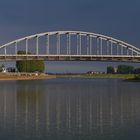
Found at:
<point>8,77</point>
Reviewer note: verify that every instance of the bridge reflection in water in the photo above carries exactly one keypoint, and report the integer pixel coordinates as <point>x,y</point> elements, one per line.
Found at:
<point>33,109</point>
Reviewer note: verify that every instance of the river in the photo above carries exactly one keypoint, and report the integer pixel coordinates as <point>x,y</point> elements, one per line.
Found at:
<point>70,109</point>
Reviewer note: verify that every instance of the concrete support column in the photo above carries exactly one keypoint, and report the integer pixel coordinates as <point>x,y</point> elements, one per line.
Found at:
<point>127,51</point>
<point>111,51</point>
<point>107,47</point>
<point>26,46</point>
<point>121,50</point>
<point>132,53</point>
<point>5,51</point>
<point>117,49</point>
<point>101,46</point>
<point>47,44</point>
<point>98,46</point>
<point>78,44</point>
<point>58,44</point>
<point>90,45</point>
<point>15,48</point>
<point>37,45</point>
<point>68,43</point>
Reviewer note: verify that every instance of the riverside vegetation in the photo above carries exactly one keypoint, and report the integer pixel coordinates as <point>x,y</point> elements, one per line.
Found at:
<point>129,72</point>
<point>125,72</point>
<point>30,65</point>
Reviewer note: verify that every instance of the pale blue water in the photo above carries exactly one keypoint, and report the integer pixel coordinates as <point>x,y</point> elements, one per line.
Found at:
<point>70,109</point>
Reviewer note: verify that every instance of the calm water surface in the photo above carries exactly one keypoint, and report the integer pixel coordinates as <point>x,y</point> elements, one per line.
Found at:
<point>70,109</point>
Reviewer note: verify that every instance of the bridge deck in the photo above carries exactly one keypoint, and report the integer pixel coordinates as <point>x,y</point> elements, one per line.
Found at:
<point>70,58</point>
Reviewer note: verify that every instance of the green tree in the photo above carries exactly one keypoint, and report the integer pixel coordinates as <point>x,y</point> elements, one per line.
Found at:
<point>137,77</point>
<point>1,67</point>
<point>125,69</point>
<point>137,70</point>
<point>30,65</point>
<point>110,70</point>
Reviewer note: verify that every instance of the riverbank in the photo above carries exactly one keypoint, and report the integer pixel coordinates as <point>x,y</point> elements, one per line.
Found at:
<point>29,76</point>
<point>14,77</point>
<point>113,76</point>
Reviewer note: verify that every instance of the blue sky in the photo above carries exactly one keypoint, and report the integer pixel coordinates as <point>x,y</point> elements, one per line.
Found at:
<point>116,18</point>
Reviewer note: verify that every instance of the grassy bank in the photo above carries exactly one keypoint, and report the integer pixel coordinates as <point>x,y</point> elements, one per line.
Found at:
<point>128,77</point>
<point>115,76</point>
<point>14,77</point>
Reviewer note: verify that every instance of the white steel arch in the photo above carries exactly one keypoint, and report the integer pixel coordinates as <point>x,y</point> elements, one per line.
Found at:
<point>87,45</point>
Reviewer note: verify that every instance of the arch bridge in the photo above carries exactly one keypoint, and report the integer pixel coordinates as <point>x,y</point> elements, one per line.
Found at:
<point>69,46</point>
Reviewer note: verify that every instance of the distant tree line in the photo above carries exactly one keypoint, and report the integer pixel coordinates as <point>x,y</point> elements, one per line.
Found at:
<point>29,65</point>
<point>123,69</point>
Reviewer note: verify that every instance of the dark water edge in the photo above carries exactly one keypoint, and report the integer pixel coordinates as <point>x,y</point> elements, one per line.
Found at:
<point>70,108</point>
<point>131,80</point>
